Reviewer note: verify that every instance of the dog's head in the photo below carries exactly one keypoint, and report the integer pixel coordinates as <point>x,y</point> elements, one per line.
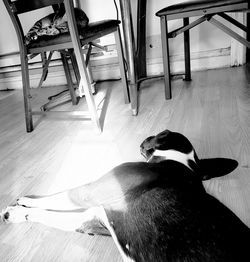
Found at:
<point>169,145</point>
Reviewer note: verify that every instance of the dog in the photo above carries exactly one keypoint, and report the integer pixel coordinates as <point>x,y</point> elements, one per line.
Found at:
<point>156,210</point>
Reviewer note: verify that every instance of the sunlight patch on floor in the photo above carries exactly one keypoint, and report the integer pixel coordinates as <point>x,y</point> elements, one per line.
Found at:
<point>85,162</point>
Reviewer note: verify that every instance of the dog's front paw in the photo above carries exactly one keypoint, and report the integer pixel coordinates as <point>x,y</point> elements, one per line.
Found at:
<point>14,214</point>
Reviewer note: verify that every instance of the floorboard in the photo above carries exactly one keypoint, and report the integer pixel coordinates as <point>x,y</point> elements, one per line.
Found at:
<point>213,111</point>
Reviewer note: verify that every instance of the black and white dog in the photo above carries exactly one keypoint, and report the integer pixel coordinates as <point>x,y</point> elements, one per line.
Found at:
<point>155,211</point>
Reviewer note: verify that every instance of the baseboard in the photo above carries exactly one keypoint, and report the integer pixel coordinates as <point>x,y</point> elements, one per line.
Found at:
<point>200,61</point>
<point>105,66</point>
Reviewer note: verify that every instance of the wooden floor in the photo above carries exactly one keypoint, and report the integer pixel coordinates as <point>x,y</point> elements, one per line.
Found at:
<point>213,111</point>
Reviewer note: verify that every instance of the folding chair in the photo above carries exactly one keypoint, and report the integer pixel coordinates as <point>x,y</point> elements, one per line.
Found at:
<point>69,45</point>
<point>207,10</point>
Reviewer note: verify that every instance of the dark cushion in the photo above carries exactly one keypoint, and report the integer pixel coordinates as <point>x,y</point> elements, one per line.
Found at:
<point>92,31</point>
<point>195,5</point>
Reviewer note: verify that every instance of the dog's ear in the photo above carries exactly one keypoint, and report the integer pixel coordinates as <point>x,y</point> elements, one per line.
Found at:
<point>153,142</point>
<point>172,140</point>
<point>163,135</point>
<point>216,167</point>
<point>168,140</point>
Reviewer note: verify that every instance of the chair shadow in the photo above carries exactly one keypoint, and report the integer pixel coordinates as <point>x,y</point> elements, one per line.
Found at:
<point>216,167</point>
<point>101,106</point>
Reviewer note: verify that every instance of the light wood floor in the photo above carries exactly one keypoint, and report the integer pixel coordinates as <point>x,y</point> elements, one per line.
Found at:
<point>213,111</point>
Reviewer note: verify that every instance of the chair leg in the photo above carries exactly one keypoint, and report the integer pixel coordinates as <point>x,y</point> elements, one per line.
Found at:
<point>89,72</point>
<point>122,65</point>
<point>69,79</point>
<point>77,73</point>
<point>75,67</point>
<point>26,92</point>
<point>85,85</point>
<point>45,62</point>
<point>165,55</point>
<point>187,51</point>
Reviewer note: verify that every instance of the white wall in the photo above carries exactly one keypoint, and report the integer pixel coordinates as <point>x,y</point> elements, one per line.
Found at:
<point>204,37</point>
<point>206,40</point>
<point>8,39</point>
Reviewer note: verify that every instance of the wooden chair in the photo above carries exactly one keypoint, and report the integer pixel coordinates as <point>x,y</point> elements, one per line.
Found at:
<point>68,44</point>
<point>207,10</point>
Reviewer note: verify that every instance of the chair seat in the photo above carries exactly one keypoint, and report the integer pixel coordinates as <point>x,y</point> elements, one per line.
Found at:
<point>92,31</point>
<point>189,6</point>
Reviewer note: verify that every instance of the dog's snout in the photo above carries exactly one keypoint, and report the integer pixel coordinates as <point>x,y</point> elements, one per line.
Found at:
<point>142,149</point>
<point>6,216</point>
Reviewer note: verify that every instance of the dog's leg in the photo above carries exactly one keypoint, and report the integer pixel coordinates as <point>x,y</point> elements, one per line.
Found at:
<point>66,200</point>
<point>105,190</point>
<point>59,201</point>
<point>67,221</point>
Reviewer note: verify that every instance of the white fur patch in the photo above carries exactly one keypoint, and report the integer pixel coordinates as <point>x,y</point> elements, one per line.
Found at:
<point>176,156</point>
<point>103,216</point>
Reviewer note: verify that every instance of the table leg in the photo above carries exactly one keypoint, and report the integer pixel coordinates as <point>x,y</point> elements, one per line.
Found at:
<point>129,44</point>
<point>248,36</point>
<point>141,67</point>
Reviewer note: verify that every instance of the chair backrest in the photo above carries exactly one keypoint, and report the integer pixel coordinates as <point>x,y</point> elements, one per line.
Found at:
<point>16,7</point>
<point>23,6</point>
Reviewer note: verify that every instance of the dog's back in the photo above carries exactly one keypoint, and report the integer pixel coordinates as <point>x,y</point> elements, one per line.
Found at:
<point>170,217</point>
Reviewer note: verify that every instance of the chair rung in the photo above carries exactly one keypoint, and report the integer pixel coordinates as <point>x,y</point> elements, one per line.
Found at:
<point>233,21</point>
<point>230,32</point>
<point>64,114</point>
<point>188,27</point>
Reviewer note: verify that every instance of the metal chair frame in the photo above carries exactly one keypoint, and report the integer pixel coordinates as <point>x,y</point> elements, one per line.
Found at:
<point>207,14</point>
